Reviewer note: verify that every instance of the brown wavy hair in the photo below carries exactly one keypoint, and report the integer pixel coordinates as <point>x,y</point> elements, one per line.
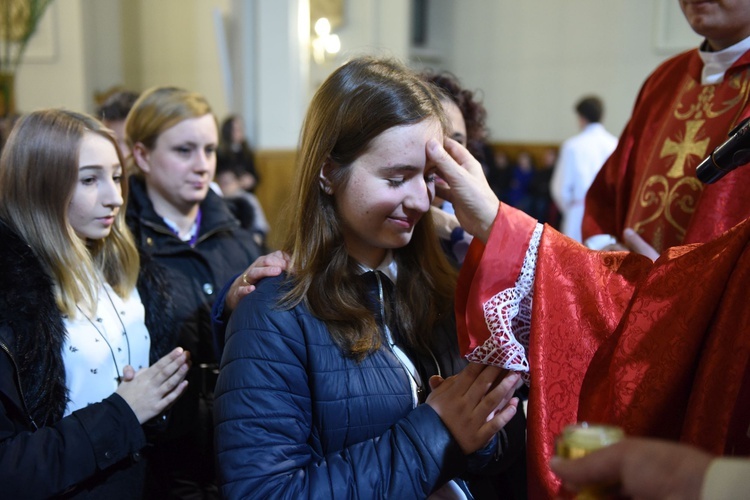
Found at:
<point>359,101</point>
<point>470,105</point>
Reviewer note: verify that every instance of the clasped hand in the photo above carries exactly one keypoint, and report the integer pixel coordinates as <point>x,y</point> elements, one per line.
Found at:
<point>473,405</point>
<point>152,390</point>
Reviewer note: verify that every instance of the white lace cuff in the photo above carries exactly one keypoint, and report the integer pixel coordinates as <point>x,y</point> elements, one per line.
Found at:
<point>508,318</point>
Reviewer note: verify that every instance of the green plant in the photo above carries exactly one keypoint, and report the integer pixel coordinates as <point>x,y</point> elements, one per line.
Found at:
<point>18,22</point>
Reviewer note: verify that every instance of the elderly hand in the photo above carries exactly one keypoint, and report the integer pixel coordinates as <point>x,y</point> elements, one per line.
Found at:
<point>473,200</point>
<point>644,468</point>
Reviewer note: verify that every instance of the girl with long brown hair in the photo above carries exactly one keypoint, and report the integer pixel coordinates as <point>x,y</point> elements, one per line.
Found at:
<point>337,380</point>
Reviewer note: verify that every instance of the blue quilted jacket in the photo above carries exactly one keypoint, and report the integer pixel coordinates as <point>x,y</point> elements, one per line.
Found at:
<point>296,419</point>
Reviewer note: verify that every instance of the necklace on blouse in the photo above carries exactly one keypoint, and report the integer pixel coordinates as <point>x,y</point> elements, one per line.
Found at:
<point>104,337</point>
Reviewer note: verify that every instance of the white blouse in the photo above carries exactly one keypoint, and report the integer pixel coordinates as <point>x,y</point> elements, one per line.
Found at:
<point>97,349</point>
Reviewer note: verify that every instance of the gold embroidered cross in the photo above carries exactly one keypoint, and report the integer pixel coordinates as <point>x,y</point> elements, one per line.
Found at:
<point>689,146</point>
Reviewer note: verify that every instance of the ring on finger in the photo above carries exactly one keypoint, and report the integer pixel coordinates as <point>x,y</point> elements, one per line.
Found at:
<point>244,279</point>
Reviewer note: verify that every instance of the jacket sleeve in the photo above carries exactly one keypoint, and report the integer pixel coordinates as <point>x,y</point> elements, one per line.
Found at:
<point>219,316</point>
<point>265,440</point>
<point>52,460</point>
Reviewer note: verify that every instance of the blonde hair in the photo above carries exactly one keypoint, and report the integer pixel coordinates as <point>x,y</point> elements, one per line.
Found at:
<point>38,175</point>
<point>159,109</point>
<point>359,101</point>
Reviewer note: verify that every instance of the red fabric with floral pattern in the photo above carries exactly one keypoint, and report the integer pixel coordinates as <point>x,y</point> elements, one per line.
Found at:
<point>660,349</point>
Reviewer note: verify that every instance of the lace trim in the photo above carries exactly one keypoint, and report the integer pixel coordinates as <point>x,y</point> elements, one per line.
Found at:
<point>508,319</point>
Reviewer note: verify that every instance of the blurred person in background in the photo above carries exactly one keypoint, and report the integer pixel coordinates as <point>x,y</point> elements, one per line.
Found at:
<point>581,157</point>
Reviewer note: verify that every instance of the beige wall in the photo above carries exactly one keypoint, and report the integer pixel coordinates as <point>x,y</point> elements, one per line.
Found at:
<point>531,59</point>
<point>176,44</point>
<point>136,43</point>
<point>55,76</point>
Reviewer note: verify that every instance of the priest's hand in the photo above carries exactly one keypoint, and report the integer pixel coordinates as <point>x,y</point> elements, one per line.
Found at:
<point>475,404</point>
<point>473,200</point>
<point>644,468</point>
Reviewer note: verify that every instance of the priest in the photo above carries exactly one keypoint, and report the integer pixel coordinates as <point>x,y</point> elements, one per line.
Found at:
<point>659,348</point>
<point>686,108</point>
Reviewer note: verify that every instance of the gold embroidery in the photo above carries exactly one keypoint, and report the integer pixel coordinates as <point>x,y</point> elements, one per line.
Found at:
<point>695,107</point>
<point>688,146</point>
<point>667,203</point>
<point>738,82</point>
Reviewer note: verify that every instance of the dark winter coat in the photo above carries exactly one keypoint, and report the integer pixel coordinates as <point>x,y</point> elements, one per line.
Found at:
<point>94,452</point>
<point>195,274</point>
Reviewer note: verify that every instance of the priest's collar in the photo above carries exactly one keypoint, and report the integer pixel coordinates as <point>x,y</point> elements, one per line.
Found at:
<point>715,64</point>
<point>388,267</point>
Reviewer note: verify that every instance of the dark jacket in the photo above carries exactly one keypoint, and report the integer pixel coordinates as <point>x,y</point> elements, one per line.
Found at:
<point>239,162</point>
<point>93,453</point>
<point>296,418</point>
<point>195,273</point>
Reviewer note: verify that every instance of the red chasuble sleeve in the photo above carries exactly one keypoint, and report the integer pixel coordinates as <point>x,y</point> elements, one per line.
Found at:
<point>616,339</point>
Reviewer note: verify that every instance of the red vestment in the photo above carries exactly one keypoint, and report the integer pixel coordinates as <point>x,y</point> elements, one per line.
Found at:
<point>661,349</point>
<point>649,182</point>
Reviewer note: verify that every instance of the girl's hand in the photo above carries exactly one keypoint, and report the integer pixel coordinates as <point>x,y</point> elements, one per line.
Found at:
<point>152,390</point>
<point>473,405</point>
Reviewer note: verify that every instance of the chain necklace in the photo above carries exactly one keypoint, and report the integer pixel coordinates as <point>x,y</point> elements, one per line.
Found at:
<point>418,389</point>
<point>104,337</point>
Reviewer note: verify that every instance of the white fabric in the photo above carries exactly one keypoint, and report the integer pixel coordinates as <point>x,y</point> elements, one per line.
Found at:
<point>715,64</point>
<point>176,230</point>
<point>90,372</point>
<point>508,318</point>
<point>727,479</point>
<point>581,157</point>
<point>600,241</point>
<point>447,207</point>
<point>449,491</point>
